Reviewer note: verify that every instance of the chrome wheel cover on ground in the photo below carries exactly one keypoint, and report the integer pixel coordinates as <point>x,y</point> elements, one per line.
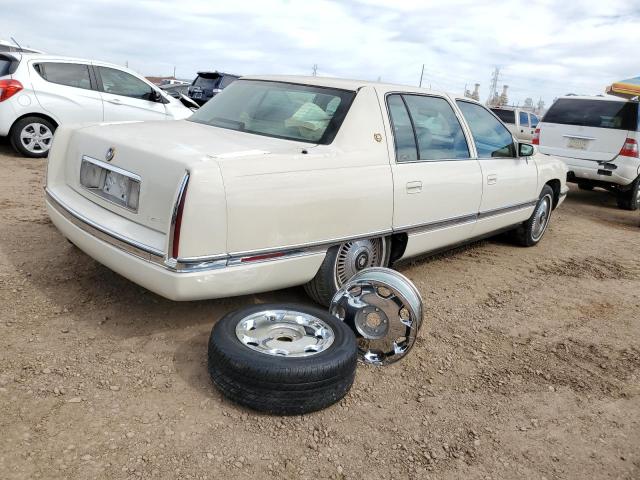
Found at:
<point>384,308</point>
<point>36,137</point>
<point>541,217</point>
<point>357,255</point>
<point>286,333</point>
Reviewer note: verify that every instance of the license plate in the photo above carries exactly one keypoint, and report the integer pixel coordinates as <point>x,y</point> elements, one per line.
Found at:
<point>111,183</point>
<point>197,95</point>
<point>578,143</point>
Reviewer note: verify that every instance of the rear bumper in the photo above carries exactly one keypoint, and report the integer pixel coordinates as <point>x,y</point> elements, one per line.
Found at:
<point>212,279</point>
<point>620,171</point>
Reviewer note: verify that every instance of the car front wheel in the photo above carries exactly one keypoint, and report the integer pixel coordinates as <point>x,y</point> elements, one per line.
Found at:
<point>342,262</point>
<point>530,232</point>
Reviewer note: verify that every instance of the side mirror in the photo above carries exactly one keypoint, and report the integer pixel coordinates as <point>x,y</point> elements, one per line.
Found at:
<point>525,150</point>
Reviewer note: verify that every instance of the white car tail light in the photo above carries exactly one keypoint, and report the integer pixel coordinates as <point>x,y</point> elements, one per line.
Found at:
<point>8,88</point>
<point>630,148</point>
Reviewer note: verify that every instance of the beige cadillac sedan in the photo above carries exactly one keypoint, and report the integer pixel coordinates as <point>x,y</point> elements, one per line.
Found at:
<point>283,181</point>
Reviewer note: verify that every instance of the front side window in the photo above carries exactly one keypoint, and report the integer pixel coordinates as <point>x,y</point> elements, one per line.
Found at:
<point>295,112</point>
<point>491,137</point>
<point>69,74</point>
<point>524,119</point>
<point>122,83</point>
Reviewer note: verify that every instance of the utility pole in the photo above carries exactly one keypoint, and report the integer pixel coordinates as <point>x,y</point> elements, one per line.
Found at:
<point>421,75</point>
<point>315,70</point>
<point>174,71</point>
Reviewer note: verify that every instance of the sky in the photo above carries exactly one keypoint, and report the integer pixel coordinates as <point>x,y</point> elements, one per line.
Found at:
<point>544,48</point>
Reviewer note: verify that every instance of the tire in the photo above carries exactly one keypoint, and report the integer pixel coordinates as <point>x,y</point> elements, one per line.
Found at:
<point>630,200</point>
<point>278,384</point>
<point>40,129</point>
<point>531,232</point>
<point>585,186</point>
<point>342,262</point>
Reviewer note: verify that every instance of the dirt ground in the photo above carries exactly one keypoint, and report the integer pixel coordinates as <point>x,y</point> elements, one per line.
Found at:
<point>527,366</point>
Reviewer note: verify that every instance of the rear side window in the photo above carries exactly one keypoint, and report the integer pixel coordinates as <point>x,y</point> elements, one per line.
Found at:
<point>524,119</point>
<point>534,120</point>
<point>594,113</point>
<point>405,141</point>
<point>507,116</point>
<point>69,74</point>
<point>122,83</point>
<point>8,65</point>
<point>491,137</point>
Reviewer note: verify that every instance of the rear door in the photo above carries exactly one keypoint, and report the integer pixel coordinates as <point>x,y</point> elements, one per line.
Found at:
<point>67,90</point>
<point>437,184</point>
<point>587,129</point>
<point>510,184</point>
<point>127,97</point>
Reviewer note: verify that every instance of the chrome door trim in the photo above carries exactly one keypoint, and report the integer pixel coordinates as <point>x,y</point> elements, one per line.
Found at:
<point>508,209</point>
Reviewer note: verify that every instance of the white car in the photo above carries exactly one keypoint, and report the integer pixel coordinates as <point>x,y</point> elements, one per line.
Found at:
<point>598,138</point>
<point>521,123</point>
<point>38,93</point>
<point>283,181</point>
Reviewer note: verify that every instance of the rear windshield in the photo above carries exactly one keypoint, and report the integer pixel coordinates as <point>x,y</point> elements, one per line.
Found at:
<point>507,116</point>
<point>207,82</point>
<point>5,65</point>
<point>594,113</point>
<point>284,110</point>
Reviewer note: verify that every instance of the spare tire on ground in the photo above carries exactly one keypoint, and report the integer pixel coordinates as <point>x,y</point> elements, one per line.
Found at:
<point>281,358</point>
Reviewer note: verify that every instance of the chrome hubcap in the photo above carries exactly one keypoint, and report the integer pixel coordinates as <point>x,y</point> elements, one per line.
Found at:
<point>385,310</point>
<point>358,255</point>
<point>541,217</point>
<point>285,333</point>
<point>36,137</point>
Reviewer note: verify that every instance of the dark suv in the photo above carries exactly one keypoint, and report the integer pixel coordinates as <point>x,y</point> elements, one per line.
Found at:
<point>208,84</point>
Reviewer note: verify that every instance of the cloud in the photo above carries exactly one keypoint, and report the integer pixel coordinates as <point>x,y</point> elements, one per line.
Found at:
<point>544,48</point>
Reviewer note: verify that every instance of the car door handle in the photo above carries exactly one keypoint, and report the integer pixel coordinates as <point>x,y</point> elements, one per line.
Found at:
<point>414,187</point>
<point>115,101</point>
<point>492,179</point>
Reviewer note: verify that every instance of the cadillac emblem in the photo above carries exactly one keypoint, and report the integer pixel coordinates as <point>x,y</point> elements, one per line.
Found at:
<point>110,154</point>
<point>377,137</point>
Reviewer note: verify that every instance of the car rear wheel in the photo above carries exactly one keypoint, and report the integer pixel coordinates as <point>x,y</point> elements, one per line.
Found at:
<point>531,231</point>
<point>342,262</point>
<point>32,136</point>
<point>630,200</point>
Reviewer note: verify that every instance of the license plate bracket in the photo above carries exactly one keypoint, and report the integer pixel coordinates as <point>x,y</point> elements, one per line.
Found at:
<point>111,183</point>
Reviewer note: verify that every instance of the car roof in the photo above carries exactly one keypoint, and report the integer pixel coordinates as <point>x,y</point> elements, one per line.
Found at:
<point>215,72</point>
<point>611,98</point>
<point>346,84</point>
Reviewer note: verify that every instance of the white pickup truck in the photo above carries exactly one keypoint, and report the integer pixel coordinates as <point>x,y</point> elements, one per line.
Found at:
<point>521,123</point>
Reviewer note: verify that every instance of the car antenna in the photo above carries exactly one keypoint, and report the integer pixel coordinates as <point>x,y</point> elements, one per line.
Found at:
<point>19,47</point>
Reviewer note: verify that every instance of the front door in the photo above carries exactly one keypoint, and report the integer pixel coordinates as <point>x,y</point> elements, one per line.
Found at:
<point>437,185</point>
<point>127,97</point>
<point>510,184</point>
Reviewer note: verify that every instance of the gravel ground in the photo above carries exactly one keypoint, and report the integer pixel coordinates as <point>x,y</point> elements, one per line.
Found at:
<point>527,365</point>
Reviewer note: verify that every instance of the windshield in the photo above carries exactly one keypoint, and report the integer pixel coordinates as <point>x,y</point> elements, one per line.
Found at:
<point>284,110</point>
<point>594,113</point>
<point>206,82</point>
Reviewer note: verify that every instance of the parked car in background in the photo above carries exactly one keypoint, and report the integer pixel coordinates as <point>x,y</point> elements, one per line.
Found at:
<point>521,123</point>
<point>38,93</point>
<point>175,90</point>
<point>283,181</point>
<point>597,137</point>
<point>207,84</point>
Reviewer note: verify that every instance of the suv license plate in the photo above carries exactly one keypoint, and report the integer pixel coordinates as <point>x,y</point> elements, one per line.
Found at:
<point>578,143</point>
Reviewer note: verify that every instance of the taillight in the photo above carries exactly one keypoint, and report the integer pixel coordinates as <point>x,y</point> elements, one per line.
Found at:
<point>630,148</point>
<point>177,225</point>
<point>8,88</point>
<point>536,137</point>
